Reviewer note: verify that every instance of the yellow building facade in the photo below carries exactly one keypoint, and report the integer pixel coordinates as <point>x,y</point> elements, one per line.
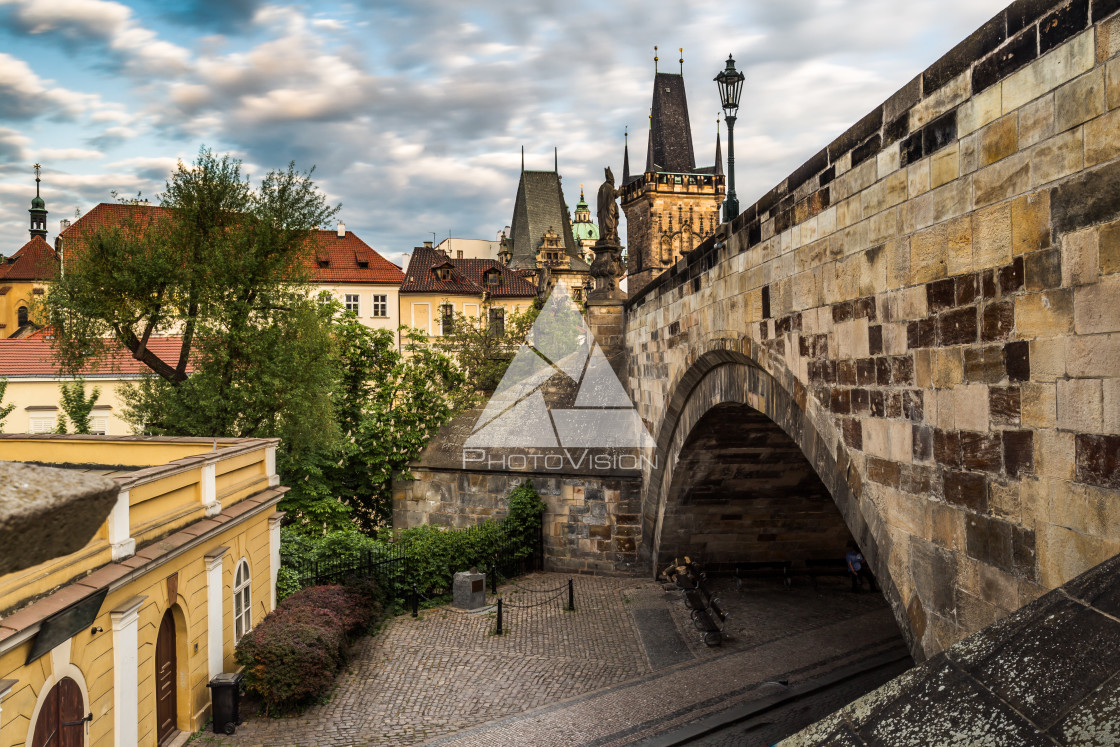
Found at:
<point>436,287</point>
<point>126,633</point>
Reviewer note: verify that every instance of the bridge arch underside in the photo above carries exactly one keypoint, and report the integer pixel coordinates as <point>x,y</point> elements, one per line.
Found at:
<point>742,491</point>
<point>727,392</point>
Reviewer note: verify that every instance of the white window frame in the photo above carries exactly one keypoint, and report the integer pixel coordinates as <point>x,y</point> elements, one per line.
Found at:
<point>99,425</point>
<point>242,600</point>
<point>381,305</point>
<point>355,299</point>
<point>42,422</point>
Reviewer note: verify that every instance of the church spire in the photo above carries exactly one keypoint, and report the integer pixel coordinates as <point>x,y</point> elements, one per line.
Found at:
<point>38,210</point>
<point>719,151</point>
<point>626,155</point>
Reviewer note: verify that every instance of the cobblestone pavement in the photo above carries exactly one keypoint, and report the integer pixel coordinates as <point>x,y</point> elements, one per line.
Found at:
<point>565,678</point>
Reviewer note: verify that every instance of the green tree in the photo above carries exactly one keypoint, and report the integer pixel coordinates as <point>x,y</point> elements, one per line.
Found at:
<point>483,346</point>
<point>221,266</point>
<point>5,410</point>
<point>388,405</point>
<point>76,406</point>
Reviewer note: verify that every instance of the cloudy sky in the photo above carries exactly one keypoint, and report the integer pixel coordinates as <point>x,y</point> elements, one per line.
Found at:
<point>414,112</point>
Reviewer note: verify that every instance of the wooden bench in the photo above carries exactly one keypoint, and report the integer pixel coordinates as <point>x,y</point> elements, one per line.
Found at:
<point>763,569</point>
<point>710,621</point>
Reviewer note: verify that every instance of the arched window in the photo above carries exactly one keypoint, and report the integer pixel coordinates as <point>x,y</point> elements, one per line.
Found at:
<point>242,603</point>
<point>21,316</point>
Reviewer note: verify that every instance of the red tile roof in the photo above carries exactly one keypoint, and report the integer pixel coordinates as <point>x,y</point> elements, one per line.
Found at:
<point>107,214</point>
<point>467,277</point>
<point>344,258</point>
<point>35,260</point>
<point>32,356</point>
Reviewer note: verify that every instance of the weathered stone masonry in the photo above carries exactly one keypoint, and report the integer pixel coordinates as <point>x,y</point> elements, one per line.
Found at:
<point>930,307</point>
<point>591,524</point>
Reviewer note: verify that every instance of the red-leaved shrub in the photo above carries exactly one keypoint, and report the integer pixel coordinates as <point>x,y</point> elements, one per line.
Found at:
<point>294,653</point>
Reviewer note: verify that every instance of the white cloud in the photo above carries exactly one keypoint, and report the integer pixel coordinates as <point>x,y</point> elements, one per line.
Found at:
<point>24,95</point>
<point>65,154</point>
<point>138,49</point>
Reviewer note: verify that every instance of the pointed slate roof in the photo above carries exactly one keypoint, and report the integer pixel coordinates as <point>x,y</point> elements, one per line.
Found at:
<point>671,133</point>
<point>540,206</point>
<point>35,260</point>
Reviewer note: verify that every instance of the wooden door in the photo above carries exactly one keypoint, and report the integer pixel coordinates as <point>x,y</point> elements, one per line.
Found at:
<point>166,714</point>
<point>62,721</point>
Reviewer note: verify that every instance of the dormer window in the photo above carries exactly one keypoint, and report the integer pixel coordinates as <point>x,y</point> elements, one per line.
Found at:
<point>444,273</point>
<point>493,279</point>
<point>363,263</point>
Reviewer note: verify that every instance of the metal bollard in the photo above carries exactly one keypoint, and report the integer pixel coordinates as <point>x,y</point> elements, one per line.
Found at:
<point>499,631</point>
<point>415,601</point>
<point>571,597</point>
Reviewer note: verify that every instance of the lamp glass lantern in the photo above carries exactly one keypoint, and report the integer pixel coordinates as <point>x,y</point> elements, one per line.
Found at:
<point>730,84</point>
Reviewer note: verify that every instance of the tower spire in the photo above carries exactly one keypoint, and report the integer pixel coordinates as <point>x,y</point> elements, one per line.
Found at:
<point>626,155</point>
<point>38,210</point>
<point>719,151</point>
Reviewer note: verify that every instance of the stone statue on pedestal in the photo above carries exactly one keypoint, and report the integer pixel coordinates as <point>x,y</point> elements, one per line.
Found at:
<point>608,266</point>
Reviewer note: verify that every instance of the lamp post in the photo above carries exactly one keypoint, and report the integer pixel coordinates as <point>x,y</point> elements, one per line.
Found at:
<point>730,83</point>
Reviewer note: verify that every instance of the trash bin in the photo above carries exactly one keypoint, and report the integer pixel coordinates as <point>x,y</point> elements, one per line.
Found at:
<point>225,698</point>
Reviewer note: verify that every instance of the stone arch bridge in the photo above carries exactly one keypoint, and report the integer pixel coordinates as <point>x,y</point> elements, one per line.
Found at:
<point>913,340</point>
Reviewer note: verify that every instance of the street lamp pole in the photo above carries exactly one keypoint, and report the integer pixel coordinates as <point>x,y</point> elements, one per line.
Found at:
<point>730,84</point>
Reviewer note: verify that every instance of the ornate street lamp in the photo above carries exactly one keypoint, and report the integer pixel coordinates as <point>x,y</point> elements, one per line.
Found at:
<point>730,83</point>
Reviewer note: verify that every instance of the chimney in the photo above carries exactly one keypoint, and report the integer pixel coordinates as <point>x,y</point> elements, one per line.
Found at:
<point>341,230</point>
<point>63,225</point>
<point>427,244</point>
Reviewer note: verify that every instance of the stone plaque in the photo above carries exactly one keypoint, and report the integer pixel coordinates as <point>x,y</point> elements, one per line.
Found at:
<point>468,591</point>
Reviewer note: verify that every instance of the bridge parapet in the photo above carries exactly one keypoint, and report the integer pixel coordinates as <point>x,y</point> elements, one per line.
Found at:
<point>937,292</point>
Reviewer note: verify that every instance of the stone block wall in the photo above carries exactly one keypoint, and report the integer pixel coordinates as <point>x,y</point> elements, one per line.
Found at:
<point>938,291</point>
<point>591,524</point>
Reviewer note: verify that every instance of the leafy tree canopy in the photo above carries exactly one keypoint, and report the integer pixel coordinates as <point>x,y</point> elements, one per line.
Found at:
<point>76,405</point>
<point>482,346</point>
<point>220,265</point>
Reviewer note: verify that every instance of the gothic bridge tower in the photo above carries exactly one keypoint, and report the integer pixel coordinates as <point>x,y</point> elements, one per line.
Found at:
<point>672,206</point>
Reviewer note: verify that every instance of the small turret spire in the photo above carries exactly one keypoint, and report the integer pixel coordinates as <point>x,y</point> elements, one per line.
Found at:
<point>556,159</point>
<point>38,209</point>
<point>655,59</point>
<point>626,155</point>
<point>522,159</point>
<point>681,50</point>
<point>649,144</point>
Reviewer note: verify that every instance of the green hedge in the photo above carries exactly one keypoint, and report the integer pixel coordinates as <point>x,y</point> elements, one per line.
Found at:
<point>433,555</point>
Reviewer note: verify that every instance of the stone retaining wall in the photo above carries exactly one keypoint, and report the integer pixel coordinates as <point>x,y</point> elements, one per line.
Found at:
<point>591,524</point>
